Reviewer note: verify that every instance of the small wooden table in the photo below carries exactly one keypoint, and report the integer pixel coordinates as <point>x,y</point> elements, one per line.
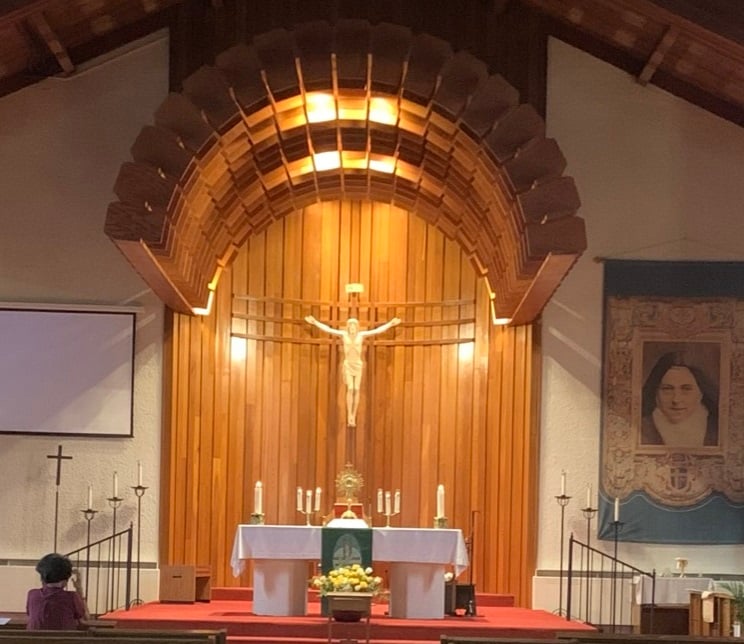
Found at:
<point>349,602</point>
<point>185,583</point>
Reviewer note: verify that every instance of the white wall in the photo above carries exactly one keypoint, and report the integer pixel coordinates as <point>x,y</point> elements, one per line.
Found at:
<point>61,144</point>
<point>658,179</point>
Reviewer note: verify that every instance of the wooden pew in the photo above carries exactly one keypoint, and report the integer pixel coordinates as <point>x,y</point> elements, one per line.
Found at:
<point>114,636</point>
<point>206,636</point>
<point>466,639</point>
<point>586,637</point>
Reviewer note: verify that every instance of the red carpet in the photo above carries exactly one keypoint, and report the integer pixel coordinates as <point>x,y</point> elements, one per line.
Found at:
<point>228,611</point>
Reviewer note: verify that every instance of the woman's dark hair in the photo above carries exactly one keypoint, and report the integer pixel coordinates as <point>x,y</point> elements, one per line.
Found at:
<point>664,364</point>
<point>53,568</point>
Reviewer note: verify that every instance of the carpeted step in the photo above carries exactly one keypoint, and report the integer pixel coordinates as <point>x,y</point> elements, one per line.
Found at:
<point>236,593</point>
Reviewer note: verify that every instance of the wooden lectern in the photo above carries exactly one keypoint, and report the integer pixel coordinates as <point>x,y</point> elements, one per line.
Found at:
<point>710,614</point>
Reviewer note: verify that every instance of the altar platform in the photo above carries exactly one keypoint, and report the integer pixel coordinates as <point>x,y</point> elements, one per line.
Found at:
<point>231,609</point>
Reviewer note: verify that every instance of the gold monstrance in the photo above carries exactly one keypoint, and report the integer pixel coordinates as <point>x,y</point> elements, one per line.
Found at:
<point>349,484</point>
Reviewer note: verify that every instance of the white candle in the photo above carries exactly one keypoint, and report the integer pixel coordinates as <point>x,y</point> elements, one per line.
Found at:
<point>258,498</point>
<point>388,504</point>
<point>379,500</point>
<point>299,499</point>
<point>90,497</point>
<point>309,502</point>
<point>116,485</point>
<point>396,509</point>
<point>588,496</point>
<point>318,492</point>
<point>440,500</point>
<point>563,482</point>
<point>139,473</point>
<point>617,509</point>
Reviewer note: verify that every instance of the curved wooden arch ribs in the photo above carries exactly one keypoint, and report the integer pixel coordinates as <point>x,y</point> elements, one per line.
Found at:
<point>233,153</point>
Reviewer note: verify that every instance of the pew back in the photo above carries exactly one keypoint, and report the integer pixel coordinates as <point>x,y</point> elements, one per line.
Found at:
<point>114,636</point>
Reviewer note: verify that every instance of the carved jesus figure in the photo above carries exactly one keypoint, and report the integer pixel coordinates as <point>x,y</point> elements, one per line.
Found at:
<point>353,364</point>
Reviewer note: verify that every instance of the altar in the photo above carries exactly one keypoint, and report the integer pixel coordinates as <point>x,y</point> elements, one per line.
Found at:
<point>417,558</point>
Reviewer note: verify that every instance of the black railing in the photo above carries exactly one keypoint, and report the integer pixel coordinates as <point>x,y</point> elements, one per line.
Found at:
<point>105,569</point>
<point>599,587</point>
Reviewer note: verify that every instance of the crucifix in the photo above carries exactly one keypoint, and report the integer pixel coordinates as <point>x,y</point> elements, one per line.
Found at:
<point>59,458</point>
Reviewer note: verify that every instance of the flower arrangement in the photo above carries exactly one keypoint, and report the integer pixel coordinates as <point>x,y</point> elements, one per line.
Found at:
<point>347,579</point>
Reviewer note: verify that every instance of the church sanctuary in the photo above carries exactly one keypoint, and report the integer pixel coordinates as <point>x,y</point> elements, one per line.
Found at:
<point>372,321</point>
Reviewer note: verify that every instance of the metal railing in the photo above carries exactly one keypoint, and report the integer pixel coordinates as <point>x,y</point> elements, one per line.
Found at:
<point>105,568</point>
<point>599,587</point>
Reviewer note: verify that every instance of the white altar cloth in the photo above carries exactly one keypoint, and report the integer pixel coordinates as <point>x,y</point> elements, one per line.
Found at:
<point>280,572</point>
<point>417,558</point>
<point>670,591</point>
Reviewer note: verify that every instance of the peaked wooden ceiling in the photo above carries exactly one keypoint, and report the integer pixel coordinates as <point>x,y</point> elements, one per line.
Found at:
<point>694,53</point>
<point>691,48</point>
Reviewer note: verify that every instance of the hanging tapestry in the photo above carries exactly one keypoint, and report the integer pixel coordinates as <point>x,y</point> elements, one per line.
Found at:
<point>672,443</point>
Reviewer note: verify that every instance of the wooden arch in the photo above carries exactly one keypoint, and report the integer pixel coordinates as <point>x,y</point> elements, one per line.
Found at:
<point>347,111</point>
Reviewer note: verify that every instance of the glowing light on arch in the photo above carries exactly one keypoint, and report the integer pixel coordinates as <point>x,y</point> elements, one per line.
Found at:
<point>246,142</point>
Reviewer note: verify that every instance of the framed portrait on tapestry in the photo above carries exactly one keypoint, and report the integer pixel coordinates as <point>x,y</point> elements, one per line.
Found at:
<point>678,387</point>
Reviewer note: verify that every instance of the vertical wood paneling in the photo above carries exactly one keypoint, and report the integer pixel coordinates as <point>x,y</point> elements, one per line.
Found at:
<point>434,410</point>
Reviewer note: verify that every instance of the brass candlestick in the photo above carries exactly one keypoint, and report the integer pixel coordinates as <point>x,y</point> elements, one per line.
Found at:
<point>440,523</point>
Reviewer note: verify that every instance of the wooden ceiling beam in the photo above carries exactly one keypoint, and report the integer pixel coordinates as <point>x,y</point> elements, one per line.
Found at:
<point>38,22</point>
<point>657,57</point>
<point>15,10</point>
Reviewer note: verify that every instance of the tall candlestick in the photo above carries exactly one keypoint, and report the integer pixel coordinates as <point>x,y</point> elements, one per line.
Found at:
<point>116,485</point>
<point>617,509</point>
<point>563,482</point>
<point>258,498</point>
<point>139,473</point>
<point>309,501</point>
<point>317,499</point>
<point>440,500</point>
<point>379,500</point>
<point>388,504</point>
<point>90,497</point>
<point>588,496</point>
<point>299,499</point>
<point>396,507</point>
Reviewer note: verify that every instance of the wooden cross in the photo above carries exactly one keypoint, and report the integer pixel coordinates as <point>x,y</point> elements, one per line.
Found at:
<point>59,458</point>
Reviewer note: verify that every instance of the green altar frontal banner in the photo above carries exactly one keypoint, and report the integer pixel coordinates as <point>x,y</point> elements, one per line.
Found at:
<point>343,547</point>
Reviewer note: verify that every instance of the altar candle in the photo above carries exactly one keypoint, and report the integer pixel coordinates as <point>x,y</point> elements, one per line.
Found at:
<point>139,473</point>
<point>309,502</point>
<point>588,496</point>
<point>90,497</point>
<point>617,509</point>
<point>379,500</point>
<point>563,482</point>
<point>299,499</point>
<point>258,498</point>
<point>317,499</point>
<point>388,506</point>
<point>440,500</point>
<point>396,508</point>
<point>116,485</point>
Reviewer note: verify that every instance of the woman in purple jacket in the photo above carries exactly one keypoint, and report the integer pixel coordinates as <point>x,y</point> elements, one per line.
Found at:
<point>51,607</point>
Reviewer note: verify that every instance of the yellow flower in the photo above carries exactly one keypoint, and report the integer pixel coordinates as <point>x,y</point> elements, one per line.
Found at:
<point>351,578</point>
